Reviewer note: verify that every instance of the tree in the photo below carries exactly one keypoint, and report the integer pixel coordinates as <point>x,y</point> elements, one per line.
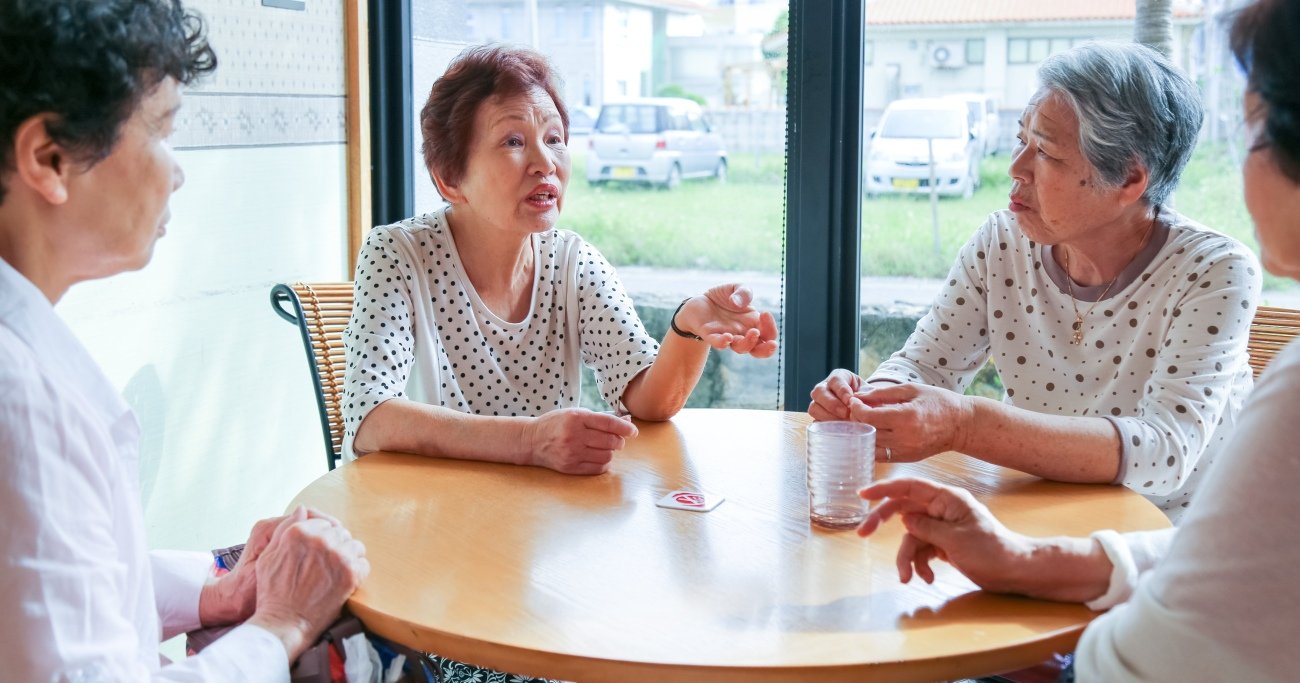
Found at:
<point>1154,25</point>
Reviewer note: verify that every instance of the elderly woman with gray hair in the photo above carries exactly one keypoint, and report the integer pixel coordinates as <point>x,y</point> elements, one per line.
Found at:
<point>1117,325</point>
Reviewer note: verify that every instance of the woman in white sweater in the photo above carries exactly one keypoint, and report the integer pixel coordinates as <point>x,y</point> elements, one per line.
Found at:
<point>1118,326</point>
<point>1215,599</point>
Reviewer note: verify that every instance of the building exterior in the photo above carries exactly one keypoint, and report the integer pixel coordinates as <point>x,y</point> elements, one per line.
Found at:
<point>931,48</point>
<point>603,49</point>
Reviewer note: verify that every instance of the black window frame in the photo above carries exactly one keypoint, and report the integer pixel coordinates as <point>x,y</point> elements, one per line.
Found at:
<point>823,178</point>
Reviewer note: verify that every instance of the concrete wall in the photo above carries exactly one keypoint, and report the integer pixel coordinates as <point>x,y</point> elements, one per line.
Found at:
<point>220,383</point>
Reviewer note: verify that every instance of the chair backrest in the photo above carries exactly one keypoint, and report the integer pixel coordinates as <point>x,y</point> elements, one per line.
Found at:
<point>1272,329</point>
<point>321,311</point>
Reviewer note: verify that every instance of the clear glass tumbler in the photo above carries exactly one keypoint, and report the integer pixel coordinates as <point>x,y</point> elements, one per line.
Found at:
<point>841,459</point>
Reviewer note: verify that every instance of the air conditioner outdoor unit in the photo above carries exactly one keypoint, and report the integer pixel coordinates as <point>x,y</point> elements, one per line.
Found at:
<point>947,55</point>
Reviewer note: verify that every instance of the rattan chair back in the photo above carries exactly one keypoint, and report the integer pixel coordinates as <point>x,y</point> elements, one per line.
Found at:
<point>1272,329</point>
<point>321,311</point>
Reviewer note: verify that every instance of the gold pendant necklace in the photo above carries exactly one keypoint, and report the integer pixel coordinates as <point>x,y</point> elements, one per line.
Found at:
<point>1077,338</point>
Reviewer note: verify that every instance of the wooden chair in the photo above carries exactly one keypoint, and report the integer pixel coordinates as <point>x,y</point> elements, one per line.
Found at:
<point>321,311</point>
<point>1272,329</point>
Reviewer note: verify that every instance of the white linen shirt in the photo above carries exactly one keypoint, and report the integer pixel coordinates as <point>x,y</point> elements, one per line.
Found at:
<point>84,599</point>
<point>1163,357</point>
<point>420,331</point>
<point>1220,602</point>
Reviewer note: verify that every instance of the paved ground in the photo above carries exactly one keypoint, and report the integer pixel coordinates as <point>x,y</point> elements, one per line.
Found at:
<point>643,281</point>
<point>678,284</point>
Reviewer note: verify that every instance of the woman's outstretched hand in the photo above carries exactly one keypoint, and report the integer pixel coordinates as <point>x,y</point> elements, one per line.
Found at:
<point>947,523</point>
<point>726,319</point>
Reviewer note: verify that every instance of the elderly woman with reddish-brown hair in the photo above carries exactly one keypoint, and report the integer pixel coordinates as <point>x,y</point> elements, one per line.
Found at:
<point>472,322</point>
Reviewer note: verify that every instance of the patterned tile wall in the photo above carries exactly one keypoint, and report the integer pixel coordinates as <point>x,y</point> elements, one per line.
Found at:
<point>280,78</point>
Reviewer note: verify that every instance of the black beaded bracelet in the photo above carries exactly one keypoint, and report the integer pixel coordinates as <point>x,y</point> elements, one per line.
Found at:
<point>672,322</point>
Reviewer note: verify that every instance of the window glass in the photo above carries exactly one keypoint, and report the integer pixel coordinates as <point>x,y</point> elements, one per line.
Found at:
<point>628,118</point>
<point>696,122</point>
<point>910,241</point>
<point>675,214</point>
<point>923,123</point>
<point>1038,49</point>
<point>1017,51</point>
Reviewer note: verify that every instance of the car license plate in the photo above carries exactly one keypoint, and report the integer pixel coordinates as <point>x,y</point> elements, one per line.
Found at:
<point>906,183</point>
<point>623,172</point>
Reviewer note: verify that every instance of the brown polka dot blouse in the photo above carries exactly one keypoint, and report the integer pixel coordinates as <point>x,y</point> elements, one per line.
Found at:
<point>1163,357</point>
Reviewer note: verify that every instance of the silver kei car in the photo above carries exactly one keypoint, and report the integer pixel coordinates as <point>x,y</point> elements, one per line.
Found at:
<point>655,140</point>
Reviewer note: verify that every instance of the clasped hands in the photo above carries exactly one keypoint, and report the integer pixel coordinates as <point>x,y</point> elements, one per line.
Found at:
<point>912,421</point>
<point>293,577</point>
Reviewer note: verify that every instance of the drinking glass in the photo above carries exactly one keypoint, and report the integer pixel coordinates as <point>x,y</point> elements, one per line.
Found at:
<point>841,457</point>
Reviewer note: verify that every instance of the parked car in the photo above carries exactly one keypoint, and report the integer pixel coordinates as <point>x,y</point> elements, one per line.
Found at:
<point>658,140</point>
<point>983,111</point>
<point>898,160</point>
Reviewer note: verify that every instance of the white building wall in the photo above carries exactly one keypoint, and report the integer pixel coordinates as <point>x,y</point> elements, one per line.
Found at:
<point>219,383</point>
<point>627,51</point>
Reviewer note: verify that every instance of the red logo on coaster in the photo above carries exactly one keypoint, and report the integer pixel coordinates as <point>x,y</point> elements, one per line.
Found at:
<point>691,499</point>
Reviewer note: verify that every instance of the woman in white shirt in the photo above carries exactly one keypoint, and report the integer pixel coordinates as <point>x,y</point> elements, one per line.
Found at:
<point>1118,327</point>
<point>472,323</point>
<point>88,94</point>
<point>1215,599</point>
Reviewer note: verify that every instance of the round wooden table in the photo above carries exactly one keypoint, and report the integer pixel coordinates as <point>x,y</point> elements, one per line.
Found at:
<point>585,579</point>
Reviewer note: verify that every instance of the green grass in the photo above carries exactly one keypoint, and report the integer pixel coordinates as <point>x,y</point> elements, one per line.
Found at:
<point>898,234</point>
<point>1211,194</point>
<point>739,225</point>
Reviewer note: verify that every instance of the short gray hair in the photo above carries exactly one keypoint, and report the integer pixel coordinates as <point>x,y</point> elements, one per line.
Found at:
<point>1133,105</point>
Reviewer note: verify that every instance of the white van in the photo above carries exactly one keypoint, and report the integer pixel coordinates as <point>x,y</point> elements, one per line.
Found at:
<point>898,159</point>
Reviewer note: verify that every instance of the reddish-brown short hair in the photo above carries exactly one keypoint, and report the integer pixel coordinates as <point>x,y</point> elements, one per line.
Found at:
<point>478,73</point>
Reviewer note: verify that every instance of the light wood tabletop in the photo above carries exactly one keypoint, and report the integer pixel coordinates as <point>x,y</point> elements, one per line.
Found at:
<point>585,579</point>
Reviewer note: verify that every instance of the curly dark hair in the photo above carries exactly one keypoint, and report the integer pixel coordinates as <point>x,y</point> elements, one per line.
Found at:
<point>1264,43</point>
<point>90,63</point>
<point>476,74</point>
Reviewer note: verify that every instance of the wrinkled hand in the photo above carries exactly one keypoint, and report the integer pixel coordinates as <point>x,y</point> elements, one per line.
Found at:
<point>948,524</point>
<point>231,598</point>
<point>913,421</point>
<point>831,397</point>
<point>725,318</point>
<point>308,568</point>
<point>577,440</point>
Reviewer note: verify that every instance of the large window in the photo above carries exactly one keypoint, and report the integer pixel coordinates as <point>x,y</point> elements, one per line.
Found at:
<point>925,195</point>
<point>679,175</point>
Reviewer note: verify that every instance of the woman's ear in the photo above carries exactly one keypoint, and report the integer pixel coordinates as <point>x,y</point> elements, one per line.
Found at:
<point>1135,183</point>
<point>451,193</point>
<point>40,163</point>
